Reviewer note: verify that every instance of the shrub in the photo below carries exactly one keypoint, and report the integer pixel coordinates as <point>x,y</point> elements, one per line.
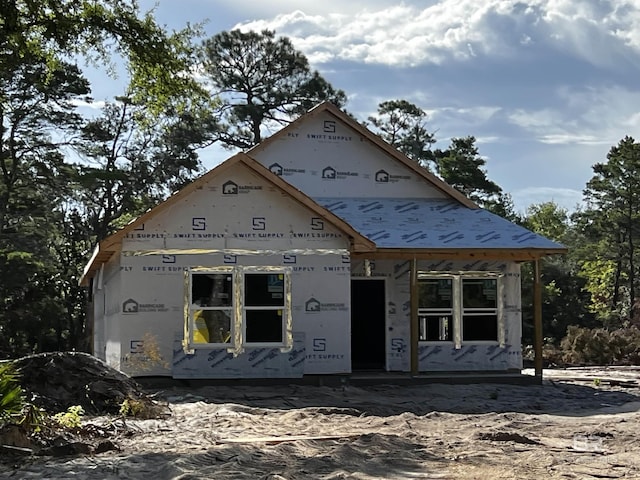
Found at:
<point>149,356</point>
<point>598,346</point>
<point>625,343</point>
<point>11,394</point>
<point>70,418</point>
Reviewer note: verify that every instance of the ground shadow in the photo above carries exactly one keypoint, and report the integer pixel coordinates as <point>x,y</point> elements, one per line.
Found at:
<point>561,398</point>
<point>374,455</point>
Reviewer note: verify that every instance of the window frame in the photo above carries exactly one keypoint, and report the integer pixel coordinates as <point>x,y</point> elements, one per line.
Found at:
<point>238,322</point>
<point>458,310</point>
<point>480,311</point>
<point>193,307</point>
<point>439,312</point>
<point>286,295</point>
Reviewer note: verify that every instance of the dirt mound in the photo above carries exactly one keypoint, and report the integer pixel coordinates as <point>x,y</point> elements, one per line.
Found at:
<point>55,381</point>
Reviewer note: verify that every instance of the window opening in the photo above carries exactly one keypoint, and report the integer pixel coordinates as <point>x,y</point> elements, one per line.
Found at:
<point>435,309</point>
<point>479,309</point>
<point>264,307</point>
<point>212,307</point>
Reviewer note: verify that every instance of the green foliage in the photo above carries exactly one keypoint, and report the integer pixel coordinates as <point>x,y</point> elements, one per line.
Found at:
<point>46,228</point>
<point>72,418</point>
<point>462,167</point>
<point>129,165</point>
<point>403,125</point>
<point>565,300</point>
<point>600,275</point>
<point>55,30</point>
<point>610,224</point>
<point>548,219</point>
<point>11,395</point>
<point>587,346</point>
<point>33,418</point>
<point>263,83</point>
<point>35,100</point>
<point>131,407</point>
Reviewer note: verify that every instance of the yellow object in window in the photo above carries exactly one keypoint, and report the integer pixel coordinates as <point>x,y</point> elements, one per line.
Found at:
<point>200,332</point>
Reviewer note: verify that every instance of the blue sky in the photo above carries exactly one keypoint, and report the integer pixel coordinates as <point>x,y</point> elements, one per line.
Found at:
<point>546,86</point>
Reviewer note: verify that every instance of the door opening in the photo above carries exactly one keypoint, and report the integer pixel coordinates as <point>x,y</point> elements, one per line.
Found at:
<point>368,318</point>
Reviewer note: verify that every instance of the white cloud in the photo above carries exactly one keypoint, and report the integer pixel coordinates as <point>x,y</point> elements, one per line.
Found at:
<point>588,116</point>
<point>564,197</point>
<point>410,34</point>
<point>93,105</point>
<point>488,139</point>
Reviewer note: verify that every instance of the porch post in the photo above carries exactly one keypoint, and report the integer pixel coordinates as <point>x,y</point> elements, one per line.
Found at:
<point>414,332</point>
<point>537,318</point>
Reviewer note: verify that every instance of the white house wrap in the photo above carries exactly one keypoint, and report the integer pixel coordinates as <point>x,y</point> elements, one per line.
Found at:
<point>320,251</point>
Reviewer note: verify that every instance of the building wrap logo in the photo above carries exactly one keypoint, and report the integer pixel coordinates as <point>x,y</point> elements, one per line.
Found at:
<point>398,345</point>
<point>232,188</point>
<point>276,169</point>
<point>229,188</point>
<point>198,223</point>
<point>330,173</point>
<point>130,306</point>
<point>313,305</point>
<point>329,134</point>
<point>321,351</point>
<point>279,170</point>
<point>382,176</point>
<point>288,259</point>
<point>329,126</point>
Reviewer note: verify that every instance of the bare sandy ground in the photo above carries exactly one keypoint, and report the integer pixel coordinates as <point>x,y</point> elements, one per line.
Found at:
<point>580,424</point>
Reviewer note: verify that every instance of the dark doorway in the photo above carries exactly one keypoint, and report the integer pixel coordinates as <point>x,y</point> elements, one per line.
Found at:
<point>367,324</point>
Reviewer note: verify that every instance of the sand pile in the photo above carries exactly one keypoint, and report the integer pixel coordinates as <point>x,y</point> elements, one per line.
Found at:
<point>56,381</point>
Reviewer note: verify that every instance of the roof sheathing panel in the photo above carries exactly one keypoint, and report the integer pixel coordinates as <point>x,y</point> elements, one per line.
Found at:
<point>419,223</point>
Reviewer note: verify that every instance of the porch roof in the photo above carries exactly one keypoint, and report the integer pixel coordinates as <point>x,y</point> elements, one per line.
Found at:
<point>430,223</point>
